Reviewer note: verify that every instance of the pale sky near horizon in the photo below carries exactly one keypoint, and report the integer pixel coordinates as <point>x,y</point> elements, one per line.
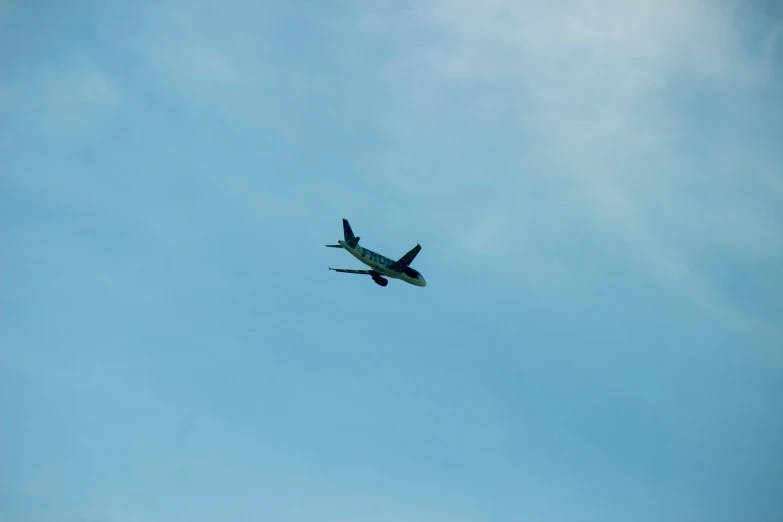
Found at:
<point>598,191</point>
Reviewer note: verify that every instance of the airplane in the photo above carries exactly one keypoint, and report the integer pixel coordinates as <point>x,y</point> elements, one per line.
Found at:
<point>381,265</point>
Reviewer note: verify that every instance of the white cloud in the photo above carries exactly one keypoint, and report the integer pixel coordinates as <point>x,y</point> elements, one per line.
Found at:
<point>638,106</point>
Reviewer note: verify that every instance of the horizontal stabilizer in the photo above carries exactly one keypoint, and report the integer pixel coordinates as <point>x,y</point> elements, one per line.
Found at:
<point>334,246</point>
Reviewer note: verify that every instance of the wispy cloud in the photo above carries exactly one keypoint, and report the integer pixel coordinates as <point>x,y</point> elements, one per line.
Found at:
<point>639,134</point>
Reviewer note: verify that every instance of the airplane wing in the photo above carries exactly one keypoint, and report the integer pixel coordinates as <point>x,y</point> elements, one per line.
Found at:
<point>407,259</point>
<point>346,271</point>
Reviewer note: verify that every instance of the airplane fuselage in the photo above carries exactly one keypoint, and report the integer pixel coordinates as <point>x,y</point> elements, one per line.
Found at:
<point>381,264</point>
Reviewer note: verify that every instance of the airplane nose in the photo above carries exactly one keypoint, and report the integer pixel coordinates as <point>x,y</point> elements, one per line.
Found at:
<point>422,282</point>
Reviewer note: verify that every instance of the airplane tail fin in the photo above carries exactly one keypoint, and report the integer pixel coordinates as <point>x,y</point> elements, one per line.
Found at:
<point>347,230</point>
<point>351,239</point>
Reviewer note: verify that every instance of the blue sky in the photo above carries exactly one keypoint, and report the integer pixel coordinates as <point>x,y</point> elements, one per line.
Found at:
<point>597,189</point>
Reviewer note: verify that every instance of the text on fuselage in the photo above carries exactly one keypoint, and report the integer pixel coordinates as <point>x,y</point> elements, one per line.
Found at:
<point>372,256</point>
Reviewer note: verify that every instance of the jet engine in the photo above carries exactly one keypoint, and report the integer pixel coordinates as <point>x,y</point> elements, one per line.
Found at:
<point>380,280</point>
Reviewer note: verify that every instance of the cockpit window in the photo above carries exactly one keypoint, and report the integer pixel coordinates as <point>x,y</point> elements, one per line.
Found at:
<point>410,272</point>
